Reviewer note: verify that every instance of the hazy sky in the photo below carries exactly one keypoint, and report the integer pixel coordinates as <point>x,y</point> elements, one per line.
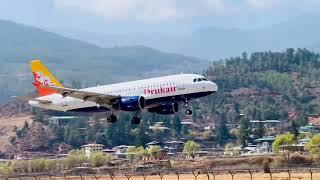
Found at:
<point>125,16</point>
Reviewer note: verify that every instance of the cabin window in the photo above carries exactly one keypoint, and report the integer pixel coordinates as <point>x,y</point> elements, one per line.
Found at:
<point>195,80</point>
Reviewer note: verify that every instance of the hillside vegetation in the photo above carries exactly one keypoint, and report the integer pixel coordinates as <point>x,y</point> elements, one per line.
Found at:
<point>267,85</point>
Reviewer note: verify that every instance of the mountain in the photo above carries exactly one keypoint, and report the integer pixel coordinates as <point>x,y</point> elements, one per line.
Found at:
<point>71,59</point>
<point>218,43</point>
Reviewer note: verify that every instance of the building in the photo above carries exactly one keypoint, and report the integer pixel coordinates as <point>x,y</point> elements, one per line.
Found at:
<point>90,148</point>
<point>264,144</point>
<point>174,146</point>
<point>308,129</point>
<point>314,120</point>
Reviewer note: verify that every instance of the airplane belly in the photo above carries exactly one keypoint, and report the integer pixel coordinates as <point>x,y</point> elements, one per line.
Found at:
<point>61,104</point>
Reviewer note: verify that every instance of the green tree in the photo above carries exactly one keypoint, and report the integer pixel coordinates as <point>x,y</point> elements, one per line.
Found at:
<point>75,159</point>
<point>184,130</point>
<point>154,151</point>
<point>314,144</point>
<point>244,131</point>
<point>6,169</point>
<point>141,152</point>
<point>281,140</point>
<point>190,148</point>
<point>222,130</point>
<point>177,126</point>
<point>99,159</point>
<point>232,149</point>
<point>131,152</point>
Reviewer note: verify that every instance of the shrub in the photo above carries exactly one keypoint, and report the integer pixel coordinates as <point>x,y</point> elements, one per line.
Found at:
<point>266,165</point>
<point>6,169</point>
<point>75,159</point>
<point>297,158</point>
<point>50,165</point>
<point>21,165</point>
<point>154,151</point>
<point>37,165</point>
<point>99,159</point>
<point>313,145</point>
<point>190,148</point>
<point>232,149</point>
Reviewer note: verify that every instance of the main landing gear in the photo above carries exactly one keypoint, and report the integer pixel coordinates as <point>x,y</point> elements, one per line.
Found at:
<point>135,119</point>
<point>112,118</point>
<point>188,111</point>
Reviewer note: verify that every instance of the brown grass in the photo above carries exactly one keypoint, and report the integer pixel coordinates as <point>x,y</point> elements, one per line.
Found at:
<point>256,176</point>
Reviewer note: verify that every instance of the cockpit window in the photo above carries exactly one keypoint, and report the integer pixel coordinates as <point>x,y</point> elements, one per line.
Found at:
<point>199,79</point>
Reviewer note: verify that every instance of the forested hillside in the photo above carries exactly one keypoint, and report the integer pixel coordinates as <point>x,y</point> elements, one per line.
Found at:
<point>266,86</point>
<point>73,60</point>
<point>261,86</point>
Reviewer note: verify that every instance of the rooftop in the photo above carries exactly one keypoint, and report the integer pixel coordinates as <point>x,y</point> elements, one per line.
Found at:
<point>265,121</point>
<point>93,144</point>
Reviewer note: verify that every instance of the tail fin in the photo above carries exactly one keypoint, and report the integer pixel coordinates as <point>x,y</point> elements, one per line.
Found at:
<point>42,76</point>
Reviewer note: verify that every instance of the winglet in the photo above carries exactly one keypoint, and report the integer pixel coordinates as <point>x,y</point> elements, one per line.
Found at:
<point>42,76</point>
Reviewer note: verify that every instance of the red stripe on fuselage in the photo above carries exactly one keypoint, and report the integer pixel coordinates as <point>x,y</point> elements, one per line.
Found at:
<point>161,90</point>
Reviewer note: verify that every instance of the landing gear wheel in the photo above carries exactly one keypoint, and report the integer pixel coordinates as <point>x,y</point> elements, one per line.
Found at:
<point>135,120</point>
<point>112,118</point>
<point>188,112</point>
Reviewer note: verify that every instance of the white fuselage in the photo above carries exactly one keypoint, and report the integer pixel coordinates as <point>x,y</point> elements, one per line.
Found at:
<point>183,85</point>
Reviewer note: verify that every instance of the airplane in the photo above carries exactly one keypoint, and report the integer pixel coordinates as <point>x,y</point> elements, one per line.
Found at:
<point>159,95</point>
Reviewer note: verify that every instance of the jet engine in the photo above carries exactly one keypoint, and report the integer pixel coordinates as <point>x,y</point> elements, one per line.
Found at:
<point>132,103</point>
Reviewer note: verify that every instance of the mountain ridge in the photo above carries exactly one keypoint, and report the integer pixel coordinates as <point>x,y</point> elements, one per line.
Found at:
<point>74,60</point>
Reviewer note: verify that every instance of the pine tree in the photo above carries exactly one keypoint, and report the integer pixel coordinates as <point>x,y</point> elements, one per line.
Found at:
<point>222,130</point>
<point>244,131</point>
<point>260,132</point>
<point>177,124</point>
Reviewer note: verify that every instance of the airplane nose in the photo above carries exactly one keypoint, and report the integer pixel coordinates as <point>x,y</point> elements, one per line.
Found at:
<point>213,87</point>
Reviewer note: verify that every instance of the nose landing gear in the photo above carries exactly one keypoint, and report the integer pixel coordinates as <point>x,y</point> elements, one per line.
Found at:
<point>188,111</point>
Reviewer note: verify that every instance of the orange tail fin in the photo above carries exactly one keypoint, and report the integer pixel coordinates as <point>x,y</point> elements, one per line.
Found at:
<point>42,76</point>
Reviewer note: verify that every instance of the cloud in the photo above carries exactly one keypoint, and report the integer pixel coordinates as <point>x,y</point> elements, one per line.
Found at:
<point>258,4</point>
<point>146,10</point>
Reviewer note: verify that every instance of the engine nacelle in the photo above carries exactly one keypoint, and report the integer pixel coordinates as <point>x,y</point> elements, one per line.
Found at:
<point>168,108</point>
<point>132,103</point>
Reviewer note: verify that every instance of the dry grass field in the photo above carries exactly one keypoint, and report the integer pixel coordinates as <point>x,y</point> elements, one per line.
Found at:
<point>257,176</point>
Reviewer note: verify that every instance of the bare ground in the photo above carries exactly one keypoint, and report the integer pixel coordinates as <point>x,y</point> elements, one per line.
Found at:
<point>256,176</point>
<point>7,126</point>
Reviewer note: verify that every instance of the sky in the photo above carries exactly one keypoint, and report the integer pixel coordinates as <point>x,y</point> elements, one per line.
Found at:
<point>171,16</point>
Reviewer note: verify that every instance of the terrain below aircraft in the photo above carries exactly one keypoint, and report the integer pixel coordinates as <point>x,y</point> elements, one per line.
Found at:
<point>159,95</point>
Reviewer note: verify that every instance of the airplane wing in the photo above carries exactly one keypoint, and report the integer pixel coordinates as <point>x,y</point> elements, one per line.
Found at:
<point>102,99</point>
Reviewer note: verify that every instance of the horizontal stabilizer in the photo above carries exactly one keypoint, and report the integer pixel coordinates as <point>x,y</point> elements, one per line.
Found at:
<point>42,101</point>
<point>99,98</point>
